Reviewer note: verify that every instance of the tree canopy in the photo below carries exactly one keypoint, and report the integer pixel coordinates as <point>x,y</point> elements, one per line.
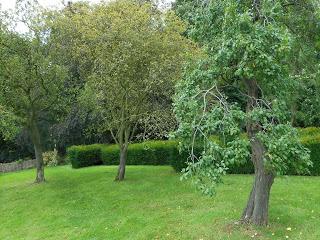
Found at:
<point>31,83</point>
<point>250,49</point>
<point>133,54</point>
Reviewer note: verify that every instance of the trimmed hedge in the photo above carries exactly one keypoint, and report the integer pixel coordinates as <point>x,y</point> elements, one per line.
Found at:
<point>312,142</point>
<point>85,155</point>
<point>310,138</point>
<point>167,153</point>
<point>147,153</point>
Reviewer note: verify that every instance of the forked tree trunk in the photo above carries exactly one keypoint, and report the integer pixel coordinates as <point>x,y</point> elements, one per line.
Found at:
<point>256,211</point>
<point>123,141</point>
<point>122,164</point>
<point>35,137</point>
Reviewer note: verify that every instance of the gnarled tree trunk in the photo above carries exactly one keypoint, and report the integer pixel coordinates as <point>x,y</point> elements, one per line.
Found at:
<point>256,211</point>
<point>36,140</point>
<point>257,208</point>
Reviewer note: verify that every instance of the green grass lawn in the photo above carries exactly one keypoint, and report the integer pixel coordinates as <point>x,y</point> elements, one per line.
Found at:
<point>151,204</point>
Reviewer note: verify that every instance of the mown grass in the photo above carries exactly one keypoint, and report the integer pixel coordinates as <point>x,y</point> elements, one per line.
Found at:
<point>151,204</point>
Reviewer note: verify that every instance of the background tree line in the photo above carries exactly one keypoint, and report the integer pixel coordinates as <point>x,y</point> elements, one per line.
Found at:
<point>88,74</point>
<point>77,127</point>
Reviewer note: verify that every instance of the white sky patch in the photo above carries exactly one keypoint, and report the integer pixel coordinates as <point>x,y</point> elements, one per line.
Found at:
<point>10,5</point>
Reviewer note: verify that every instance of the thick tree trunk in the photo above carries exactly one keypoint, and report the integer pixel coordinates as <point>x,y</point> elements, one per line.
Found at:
<point>256,211</point>
<point>122,164</point>
<point>35,136</point>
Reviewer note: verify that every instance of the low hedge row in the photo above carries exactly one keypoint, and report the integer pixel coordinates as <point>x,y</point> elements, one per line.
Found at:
<point>167,153</point>
<point>84,155</point>
<point>312,142</point>
<point>147,153</point>
<point>310,138</point>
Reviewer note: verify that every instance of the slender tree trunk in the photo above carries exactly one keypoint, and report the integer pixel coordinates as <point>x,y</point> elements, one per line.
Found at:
<point>122,164</point>
<point>256,211</point>
<point>123,137</point>
<point>294,113</point>
<point>35,137</point>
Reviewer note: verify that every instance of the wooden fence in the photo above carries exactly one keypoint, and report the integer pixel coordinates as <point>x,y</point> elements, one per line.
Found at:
<point>16,166</point>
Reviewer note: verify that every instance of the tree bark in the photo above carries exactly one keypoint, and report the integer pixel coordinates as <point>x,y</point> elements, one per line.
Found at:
<point>256,211</point>
<point>123,141</point>
<point>294,113</point>
<point>36,140</point>
<point>122,164</point>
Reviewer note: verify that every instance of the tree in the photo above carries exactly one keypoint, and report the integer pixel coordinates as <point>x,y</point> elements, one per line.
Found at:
<point>140,58</point>
<point>134,54</point>
<point>302,20</point>
<point>248,46</point>
<point>30,82</point>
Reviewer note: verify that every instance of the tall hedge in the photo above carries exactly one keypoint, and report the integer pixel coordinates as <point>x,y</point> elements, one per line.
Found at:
<point>167,153</point>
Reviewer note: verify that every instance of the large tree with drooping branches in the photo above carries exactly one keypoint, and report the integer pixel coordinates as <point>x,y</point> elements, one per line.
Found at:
<point>250,49</point>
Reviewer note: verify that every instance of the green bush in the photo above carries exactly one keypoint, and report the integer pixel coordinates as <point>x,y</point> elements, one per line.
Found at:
<point>308,132</point>
<point>85,155</point>
<point>313,144</point>
<point>310,138</point>
<point>50,158</point>
<point>167,153</point>
<point>147,153</point>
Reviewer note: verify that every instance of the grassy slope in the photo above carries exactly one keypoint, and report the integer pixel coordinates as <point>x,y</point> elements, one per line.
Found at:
<point>151,204</point>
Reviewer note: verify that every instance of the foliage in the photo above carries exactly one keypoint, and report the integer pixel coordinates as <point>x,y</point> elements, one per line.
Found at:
<point>128,87</point>
<point>157,125</point>
<point>79,127</point>
<point>84,156</point>
<point>50,158</point>
<point>8,124</point>
<point>167,153</point>
<point>146,153</point>
<point>31,82</point>
<point>130,70</point>
<point>306,109</point>
<point>302,18</point>
<point>132,54</point>
<point>79,123</point>
<point>309,138</point>
<point>248,49</point>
